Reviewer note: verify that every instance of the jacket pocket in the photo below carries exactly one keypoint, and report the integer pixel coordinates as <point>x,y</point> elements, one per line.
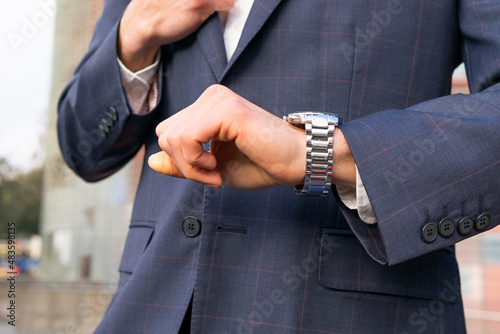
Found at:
<point>345,265</point>
<point>138,239</point>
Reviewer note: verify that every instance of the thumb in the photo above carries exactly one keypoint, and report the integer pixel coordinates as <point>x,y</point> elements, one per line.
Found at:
<point>160,162</point>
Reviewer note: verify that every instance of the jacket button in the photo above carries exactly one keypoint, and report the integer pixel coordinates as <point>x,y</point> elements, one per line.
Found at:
<point>191,226</point>
<point>113,114</point>
<point>482,221</point>
<point>446,227</point>
<point>465,225</point>
<point>103,129</point>
<point>108,120</point>
<point>429,233</point>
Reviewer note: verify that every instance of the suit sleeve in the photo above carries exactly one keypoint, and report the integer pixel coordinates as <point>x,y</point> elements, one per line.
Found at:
<point>98,132</point>
<point>432,171</point>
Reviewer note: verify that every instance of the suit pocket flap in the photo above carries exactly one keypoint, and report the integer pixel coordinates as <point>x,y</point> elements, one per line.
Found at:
<point>345,265</point>
<point>138,239</point>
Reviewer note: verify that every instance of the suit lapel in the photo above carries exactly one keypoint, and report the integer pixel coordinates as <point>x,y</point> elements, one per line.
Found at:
<point>260,12</point>
<point>212,43</point>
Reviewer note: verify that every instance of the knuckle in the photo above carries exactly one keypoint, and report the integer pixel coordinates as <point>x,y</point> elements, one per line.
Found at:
<point>162,141</point>
<point>213,89</point>
<point>196,4</point>
<point>191,158</point>
<point>194,158</point>
<point>170,141</point>
<point>160,128</point>
<point>217,89</point>
<point>184,137</point>
<point>189,173</point>
<point>236,106</point>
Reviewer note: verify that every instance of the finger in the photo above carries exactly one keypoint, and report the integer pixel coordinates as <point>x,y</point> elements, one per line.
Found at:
<point>208,177</point>
<point>161,163</point>
<point>173,163</point>
<point>207,100</point>
<point>195,155</point>
<point>163,126</point>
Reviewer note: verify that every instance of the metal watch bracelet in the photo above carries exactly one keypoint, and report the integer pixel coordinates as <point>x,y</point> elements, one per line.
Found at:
<point>319,129</point>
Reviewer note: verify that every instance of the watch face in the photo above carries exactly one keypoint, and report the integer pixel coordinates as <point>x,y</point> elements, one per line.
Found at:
<point>307,117</point>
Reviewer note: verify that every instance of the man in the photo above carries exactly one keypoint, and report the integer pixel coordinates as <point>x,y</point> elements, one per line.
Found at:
<point>415,170</point>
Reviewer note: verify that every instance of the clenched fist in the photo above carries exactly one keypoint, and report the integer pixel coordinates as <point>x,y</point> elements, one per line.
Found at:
<point>249,147</point>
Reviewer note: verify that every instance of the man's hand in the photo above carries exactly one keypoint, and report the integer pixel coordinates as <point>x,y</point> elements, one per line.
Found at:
<point>250,148</point>
<point>148,24</point>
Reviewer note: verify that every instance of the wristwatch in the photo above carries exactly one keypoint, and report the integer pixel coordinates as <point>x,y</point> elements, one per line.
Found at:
<point>319,128</point>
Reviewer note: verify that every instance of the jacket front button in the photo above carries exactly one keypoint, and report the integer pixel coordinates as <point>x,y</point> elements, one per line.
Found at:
<point>482,221</point>
<point>191,226</point>
<point>429,233</point>
<point>465,225</point>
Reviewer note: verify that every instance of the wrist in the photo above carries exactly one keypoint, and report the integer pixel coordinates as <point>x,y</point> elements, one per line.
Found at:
<point>298,172</point>
<point>135,49</point>
<point>344,167</point>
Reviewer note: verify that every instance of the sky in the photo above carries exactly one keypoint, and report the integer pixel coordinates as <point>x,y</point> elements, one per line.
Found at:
<point>26,40</point>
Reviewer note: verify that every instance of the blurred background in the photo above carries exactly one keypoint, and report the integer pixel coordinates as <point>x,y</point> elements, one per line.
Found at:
<point>70,234</point>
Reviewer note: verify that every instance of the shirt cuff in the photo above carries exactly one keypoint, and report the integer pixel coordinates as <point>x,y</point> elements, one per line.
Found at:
<point>356,198</point>
<point>138,85</point>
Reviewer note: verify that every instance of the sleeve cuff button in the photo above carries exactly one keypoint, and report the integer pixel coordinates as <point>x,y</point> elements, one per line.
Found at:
<point>482,221</point>
<point>446,227</point>
<point>429,233</point>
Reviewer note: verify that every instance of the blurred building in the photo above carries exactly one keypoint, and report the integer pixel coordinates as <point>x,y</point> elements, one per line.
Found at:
<point>83,225</point>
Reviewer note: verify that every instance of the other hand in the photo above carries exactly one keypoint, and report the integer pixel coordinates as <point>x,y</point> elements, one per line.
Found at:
<point>148,24</point>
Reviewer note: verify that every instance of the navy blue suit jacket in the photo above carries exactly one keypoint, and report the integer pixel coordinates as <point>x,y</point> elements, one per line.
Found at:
<point>268,261</point>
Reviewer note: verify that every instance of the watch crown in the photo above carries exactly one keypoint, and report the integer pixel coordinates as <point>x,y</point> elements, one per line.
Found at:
<point>293,118</point>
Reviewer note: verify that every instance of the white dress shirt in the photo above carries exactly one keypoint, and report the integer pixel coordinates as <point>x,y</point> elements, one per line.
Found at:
<point>142,94</point>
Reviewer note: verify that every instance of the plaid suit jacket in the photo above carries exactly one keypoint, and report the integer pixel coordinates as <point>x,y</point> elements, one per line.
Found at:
<point>267,261</point>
